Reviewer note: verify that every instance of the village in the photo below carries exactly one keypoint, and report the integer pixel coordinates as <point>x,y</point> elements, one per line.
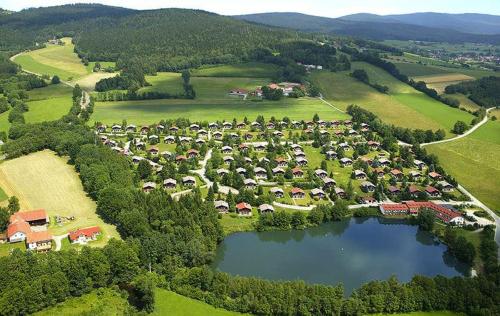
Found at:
<point>282,164</point>
<point>285,165</point>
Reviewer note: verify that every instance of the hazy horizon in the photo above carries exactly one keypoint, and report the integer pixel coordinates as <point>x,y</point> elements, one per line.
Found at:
<point>322,8</point>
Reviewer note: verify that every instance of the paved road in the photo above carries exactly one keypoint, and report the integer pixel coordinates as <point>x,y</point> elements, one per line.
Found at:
<point>294,207</point>
<point>85,100</point>
<point>58,241</point>
<point>470,131</point>
<point>487,209</point>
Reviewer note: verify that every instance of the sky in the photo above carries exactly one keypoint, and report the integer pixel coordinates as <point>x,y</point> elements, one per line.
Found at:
<point>328,8</point>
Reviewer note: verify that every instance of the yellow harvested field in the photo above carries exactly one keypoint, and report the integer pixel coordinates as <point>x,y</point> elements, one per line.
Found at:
<point>443,78</point>
<point>44,180</point>
<point>88,82</point>
<point>440,82</point>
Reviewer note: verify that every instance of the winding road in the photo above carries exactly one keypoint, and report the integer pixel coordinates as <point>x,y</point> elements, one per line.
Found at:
<point>468,132</point>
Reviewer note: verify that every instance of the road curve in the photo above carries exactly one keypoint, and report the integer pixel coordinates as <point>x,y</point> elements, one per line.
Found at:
<point>468,132</point>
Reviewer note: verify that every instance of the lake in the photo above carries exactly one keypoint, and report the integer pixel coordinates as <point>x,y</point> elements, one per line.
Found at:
<point>353,251</point>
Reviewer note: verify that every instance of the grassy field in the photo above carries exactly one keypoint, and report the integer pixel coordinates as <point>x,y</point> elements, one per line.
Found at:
<point>45,104</point>
<point>246,70</point>
<point>88,82</point>
<point>53,60</point>
<point>473,160</point>
<point>414,69</point>
<point>403,106</point>
<point>465,102</point>
<point>164,82</point>
<point>170,303</point>
<point>101,302</point>
<point>151,111</point>
<point>3,195</point>
<point>440,82</point>
<point>44,180</point>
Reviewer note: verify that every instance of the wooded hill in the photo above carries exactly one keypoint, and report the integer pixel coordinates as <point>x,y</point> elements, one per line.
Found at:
<point>371,27</point>
<point>163,37</point>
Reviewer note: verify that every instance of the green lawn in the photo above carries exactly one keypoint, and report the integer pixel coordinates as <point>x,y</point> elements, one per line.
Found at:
<point>45,104</point>
<point>50,91</point>
<point>439,313</point>
<point>232,223</point>
<point>413,70</point>
<point>151,111</point>
<point>54,60</point>
<point>248,70</point>
<point>3,195</point>
<point>403,106</point>
<point>101,302</point>
<point>4,122</point>
<point>170,303</point>
<point>164,82</point>
<point>473,160</point>
<point>6,248</point>
<point>47,110</point>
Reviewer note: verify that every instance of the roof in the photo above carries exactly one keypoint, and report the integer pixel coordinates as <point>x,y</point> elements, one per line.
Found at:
<point>218,204</point>
<point>243,205</point>
<point>264,207</point>
<point>29,216</point>
<point>34,237</point>
<point>297,190</point>
<point>87,232</point>
<point>21,226</point>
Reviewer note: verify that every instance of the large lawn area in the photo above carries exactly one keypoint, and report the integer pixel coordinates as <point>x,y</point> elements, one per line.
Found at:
<point>170,303</point>
<point>247,70</point>
<point>53,60</point>
<point>101,302</point>
<point>402,106</point>
<point>473,160</point>
<point>44,180</point>
<point>151,111</point>
<point>45,104</point>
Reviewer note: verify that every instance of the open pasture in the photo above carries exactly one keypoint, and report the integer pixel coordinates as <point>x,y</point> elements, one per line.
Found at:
<point>402,106</point>
<point>473,160</point>
<point>440,82</point>
<point>44,180</point>
<point>151,111</point>
<point>53,60</point>
<point>248,70</point>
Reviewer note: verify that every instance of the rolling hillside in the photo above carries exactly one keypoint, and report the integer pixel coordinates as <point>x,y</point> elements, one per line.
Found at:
<point>402,106</point>
<point>165,37</point>
<point>372,27</point>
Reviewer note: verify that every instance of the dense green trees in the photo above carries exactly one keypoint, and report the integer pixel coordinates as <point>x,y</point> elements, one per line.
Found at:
<point>426,219</point>
<point>485,91</point>
<point>460,127</point>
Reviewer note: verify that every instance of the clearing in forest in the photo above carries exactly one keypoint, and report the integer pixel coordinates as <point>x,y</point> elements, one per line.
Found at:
<point>44,180</point>
<point>60,60</point>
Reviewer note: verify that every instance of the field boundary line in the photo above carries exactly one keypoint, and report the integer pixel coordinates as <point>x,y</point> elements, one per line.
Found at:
<point>331,105</point>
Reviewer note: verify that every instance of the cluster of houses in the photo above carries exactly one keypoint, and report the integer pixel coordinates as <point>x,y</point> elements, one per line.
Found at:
<point>445,213</point>
<point>31,227</point>
<point>237,138</point>
<point>286,87</point>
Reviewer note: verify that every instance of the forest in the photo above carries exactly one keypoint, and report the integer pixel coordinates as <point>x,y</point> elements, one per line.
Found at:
<point>485,91</point>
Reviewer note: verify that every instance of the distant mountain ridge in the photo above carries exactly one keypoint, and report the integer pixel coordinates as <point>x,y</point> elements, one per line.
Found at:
<point>473,23</point>
<point>438,27</point>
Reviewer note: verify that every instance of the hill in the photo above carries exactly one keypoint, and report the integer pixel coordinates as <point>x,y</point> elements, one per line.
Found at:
<point>467,22</point>
<point>370,26</point>
<point>169,39</point>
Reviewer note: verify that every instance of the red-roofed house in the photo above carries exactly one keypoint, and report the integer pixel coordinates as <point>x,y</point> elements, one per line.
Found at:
<point>297,193</point>
<point>447,215</point>
<point>84,235</point>
<point>244,209</point>
<point>39,241</point>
